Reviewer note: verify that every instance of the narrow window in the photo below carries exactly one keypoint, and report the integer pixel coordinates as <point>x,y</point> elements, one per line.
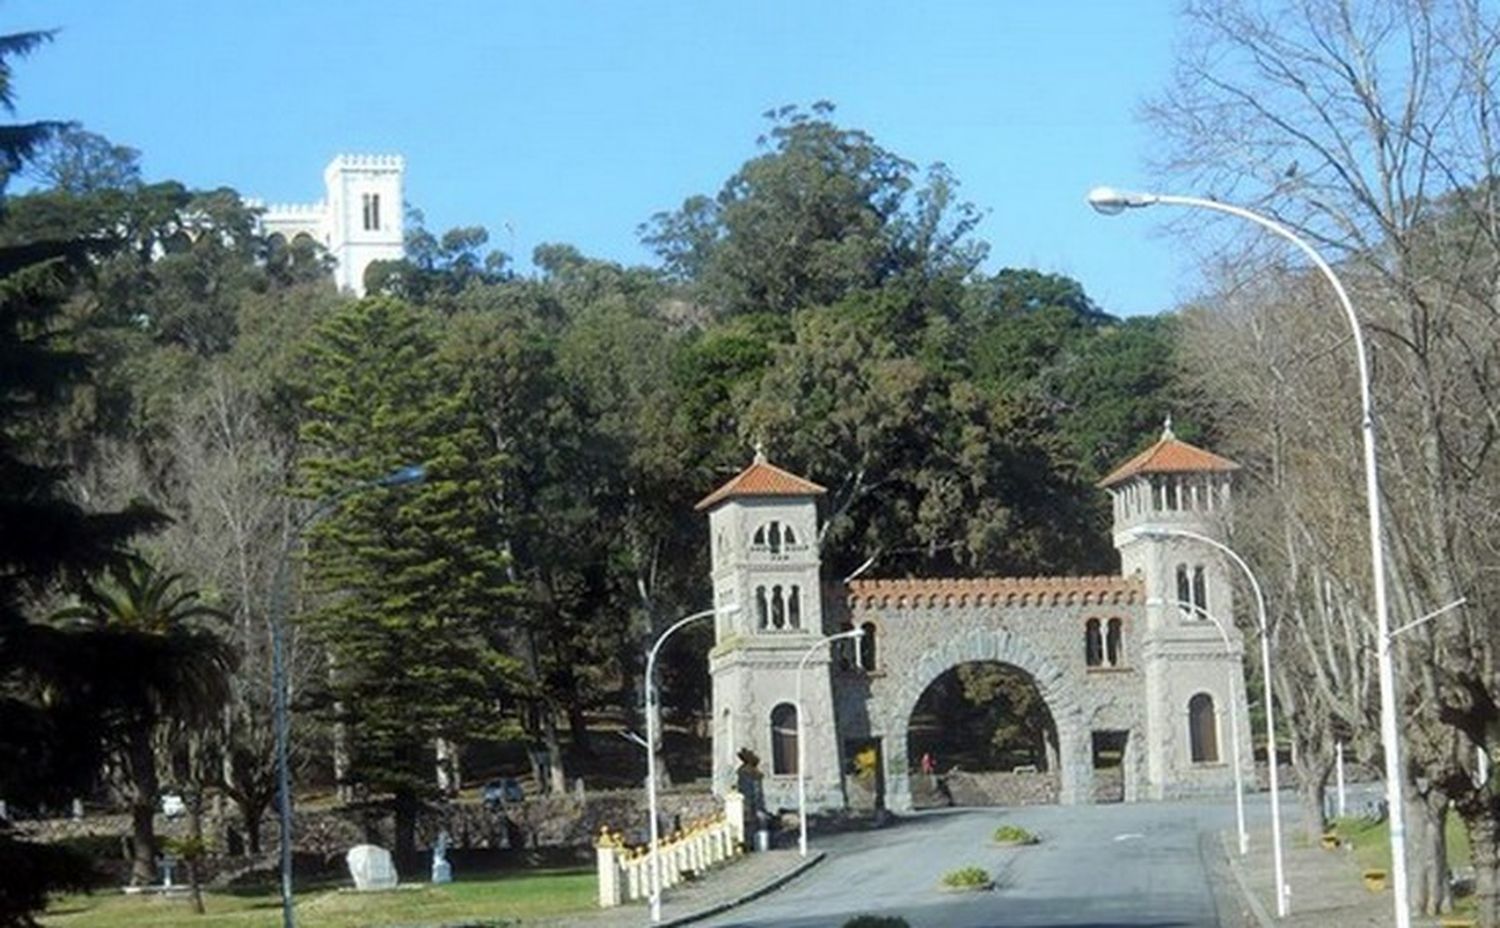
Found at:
<point>1112,643</point>
<point>775,537</point>
<point>1093,644</point>
<point>1200,590</point>
<point>788,537</point>
<point>784,739</point>
<point>778,609</point>
<point>761,615</point>
<point>794,607</point>
<point>371,203</point>
<point>1184,591</point>
<point>1203,730</point>
<point>760,536</point>
<point>865,647</point>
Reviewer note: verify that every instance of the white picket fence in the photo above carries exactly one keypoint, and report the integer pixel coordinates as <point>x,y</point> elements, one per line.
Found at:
<point>625,872</point>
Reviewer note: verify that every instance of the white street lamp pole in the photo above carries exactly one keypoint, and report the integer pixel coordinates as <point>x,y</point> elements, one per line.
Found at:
<point>652,724</point>
<point>1265,662</point>
<point>802,734</point>
<point>1110,201</point>
<point>1234,723</point>
<point>280,712</point>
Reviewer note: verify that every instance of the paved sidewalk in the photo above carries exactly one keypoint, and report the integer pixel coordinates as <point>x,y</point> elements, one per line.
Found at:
<point>718,890</point>
<point>1326,889</point>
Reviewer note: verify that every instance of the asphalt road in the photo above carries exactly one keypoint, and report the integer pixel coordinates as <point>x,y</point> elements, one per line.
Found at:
<point>1115,866</point>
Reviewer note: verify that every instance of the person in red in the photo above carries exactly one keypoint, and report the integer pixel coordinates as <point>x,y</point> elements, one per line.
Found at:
<point>929,766</point>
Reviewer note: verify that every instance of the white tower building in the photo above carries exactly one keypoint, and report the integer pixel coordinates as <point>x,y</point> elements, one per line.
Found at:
<point>1192,682</point>
<point>763,528</point>
<point>358,222</point>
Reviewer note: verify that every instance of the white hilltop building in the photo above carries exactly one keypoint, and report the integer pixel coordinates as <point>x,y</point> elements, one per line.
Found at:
<point>358,221</point>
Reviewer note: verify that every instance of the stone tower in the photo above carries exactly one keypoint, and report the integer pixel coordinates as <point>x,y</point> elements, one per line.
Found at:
<point>1193,681</point>
<point>763,531</point>
<point>359,221</point>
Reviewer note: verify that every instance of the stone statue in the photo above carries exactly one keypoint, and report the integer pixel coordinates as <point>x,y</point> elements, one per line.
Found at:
<point>442,871</point>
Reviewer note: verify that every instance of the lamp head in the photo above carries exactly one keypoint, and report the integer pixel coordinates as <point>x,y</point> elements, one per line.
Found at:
<point>411,473</point>
<point>1109,201</point>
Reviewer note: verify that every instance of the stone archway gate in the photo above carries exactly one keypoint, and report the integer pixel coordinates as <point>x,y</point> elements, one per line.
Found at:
<point>924,628</point>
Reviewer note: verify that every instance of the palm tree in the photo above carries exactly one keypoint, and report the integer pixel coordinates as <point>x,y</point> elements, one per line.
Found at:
<point>169,670</point>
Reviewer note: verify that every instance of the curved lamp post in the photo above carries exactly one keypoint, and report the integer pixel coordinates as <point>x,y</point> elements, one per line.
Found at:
<point>1110,202</point>
<point>802,733</point>
<point>651,726</point>
<point>1234,718</point>
<point>1265,663</point>
<point>414,473</point>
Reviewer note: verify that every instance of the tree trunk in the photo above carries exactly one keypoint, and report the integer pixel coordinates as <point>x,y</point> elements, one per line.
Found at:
<point>1312,793</point>
<point>405,806</point>
<point>1427,849</point>
<point>250,814</point>
<point>140,763</point>
<point>195,848</point>
<point>557,781</point>
<point>1484,840</point>
<point>578,730</point>
<point>449,778</point>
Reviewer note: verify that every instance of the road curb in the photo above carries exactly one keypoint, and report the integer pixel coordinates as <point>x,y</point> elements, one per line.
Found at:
<point>761,890</point>
<point>1256,909</point>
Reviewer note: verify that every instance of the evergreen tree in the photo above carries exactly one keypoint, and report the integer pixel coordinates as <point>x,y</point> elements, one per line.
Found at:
<point>53,718</point>
<point>414,576</point>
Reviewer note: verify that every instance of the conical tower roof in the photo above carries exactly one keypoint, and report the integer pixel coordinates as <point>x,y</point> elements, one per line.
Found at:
<point>761,478</point>
<point>1170,455</point>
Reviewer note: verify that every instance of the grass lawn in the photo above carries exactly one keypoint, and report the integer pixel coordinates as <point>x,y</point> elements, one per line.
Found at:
<point>1372,842</point>
<point>498,900</point>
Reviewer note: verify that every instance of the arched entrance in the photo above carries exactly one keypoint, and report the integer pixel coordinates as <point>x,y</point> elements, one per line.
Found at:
<point>981,735</point>
<point>1073,746</point>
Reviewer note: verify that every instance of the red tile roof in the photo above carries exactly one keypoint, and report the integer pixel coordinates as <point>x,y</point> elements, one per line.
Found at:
<point>997,591</point>
<point>761,479</point>
<point>1169,456</point>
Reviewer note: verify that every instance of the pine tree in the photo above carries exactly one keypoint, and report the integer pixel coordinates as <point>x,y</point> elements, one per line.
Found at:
<point>414,576</point>
<point>54,719</point>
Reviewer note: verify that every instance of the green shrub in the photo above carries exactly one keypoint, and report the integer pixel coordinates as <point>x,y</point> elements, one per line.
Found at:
<point>1013,834</point>
<point>966,877</point>
<point>877,921</point>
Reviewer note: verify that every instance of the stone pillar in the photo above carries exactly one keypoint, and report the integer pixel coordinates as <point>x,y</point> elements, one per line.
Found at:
<point>607,849</point>
<point>734,815</point>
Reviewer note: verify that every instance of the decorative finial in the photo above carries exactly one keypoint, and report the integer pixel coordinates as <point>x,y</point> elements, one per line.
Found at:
<point>1166,429</point>
<point>760,451</point>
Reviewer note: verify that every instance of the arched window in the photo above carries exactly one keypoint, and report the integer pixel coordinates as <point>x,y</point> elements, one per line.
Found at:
<point>788,537</point>
<point>1203,730</point>
<point>760,536</point>
<point>866,648</point>
<point>1112,642</point>
<point>778,609</point>
<point>774,537</point>
<point>784,739</point>
<point>1200,590</point>
<point>1093,644</point>
<point>794,607</point>
<point>762,616</point>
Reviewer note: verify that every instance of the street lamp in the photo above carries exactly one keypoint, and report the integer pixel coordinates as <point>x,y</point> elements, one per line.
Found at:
<point>414,473</point>
<point>1265,663</point>
<point>802,732</point>
<point>1234,718</point>
<point>1109,202</point>
<point>652,724</point>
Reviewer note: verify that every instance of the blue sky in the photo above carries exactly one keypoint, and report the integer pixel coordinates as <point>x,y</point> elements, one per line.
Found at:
<point>576,121</point>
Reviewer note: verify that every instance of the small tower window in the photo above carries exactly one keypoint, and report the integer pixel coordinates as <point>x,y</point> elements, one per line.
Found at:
<point>762,615</point>
<point>784,739</point>
<point>1200,590</point>
<point>865,647</point>
<point>775,537</point>
<point>760,536</point>
<point>1185,592</point>
<point>778,609</point>
<point>1093,644</point>
<point>1203,730</point>
<point>794,607</point>
<point>371,203</point>
<point>788,537</point>
<point>1112,641</point>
